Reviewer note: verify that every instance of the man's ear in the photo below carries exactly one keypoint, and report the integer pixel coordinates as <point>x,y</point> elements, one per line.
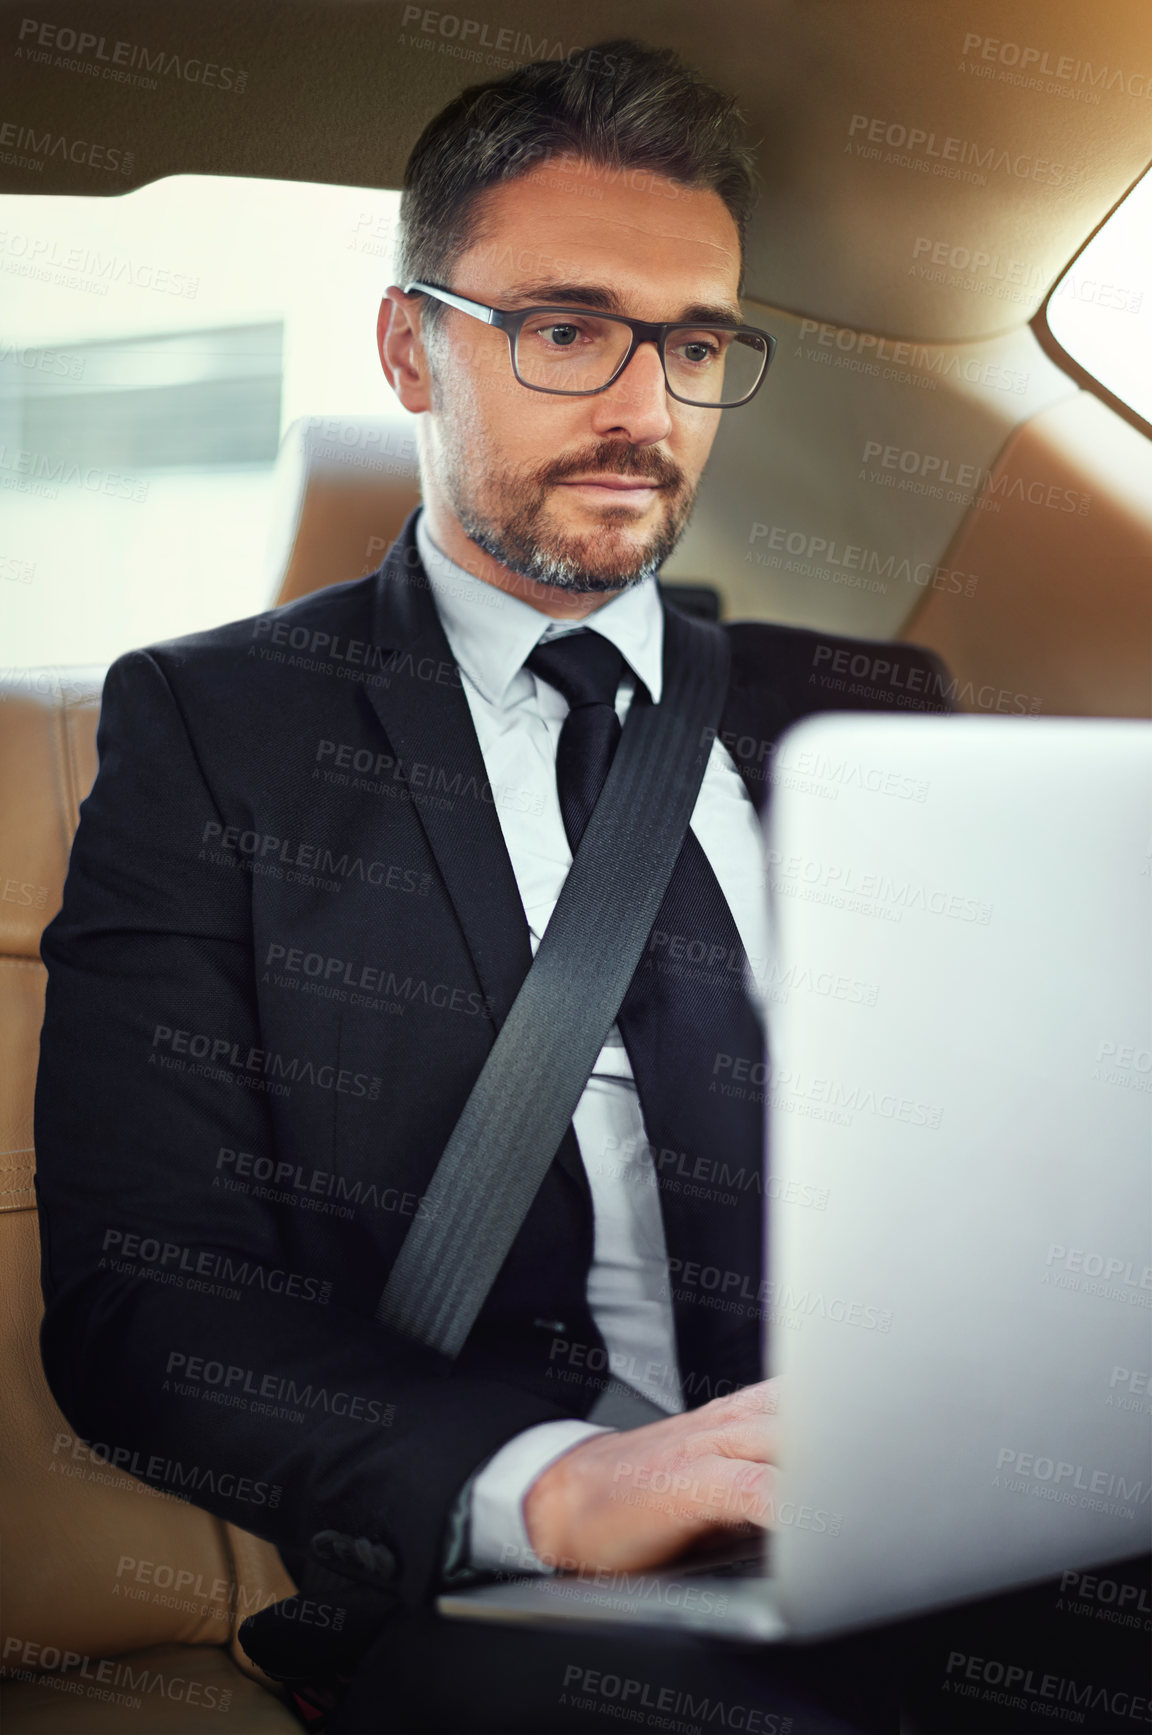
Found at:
<point>401,350</point>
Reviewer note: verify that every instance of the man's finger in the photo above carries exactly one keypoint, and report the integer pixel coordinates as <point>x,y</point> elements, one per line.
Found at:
<point>739,1492</point>
<point>754,1437</point>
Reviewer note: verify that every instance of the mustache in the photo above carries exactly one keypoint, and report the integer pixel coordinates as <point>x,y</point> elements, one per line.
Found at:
<point>645,463</point>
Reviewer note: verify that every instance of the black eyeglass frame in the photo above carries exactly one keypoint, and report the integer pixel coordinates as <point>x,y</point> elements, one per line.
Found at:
<point>643,331</point>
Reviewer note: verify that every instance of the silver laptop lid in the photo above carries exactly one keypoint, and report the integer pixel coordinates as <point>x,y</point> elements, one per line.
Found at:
<point>959,1007</point>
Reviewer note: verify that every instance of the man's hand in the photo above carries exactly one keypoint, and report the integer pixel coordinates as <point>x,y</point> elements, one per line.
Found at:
<point>629,1501</point>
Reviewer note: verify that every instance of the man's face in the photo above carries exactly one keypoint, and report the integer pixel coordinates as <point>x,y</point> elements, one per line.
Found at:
<point>585,494</point>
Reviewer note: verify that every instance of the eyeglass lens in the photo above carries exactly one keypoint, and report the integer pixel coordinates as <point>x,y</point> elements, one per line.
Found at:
<point>581,352</point>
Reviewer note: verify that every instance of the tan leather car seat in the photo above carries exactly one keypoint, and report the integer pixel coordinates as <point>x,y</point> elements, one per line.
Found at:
<point>120,1605</point>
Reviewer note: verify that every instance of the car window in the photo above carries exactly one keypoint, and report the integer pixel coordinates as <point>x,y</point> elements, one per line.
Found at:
<point>1100,312</point>
<point>153,348</point>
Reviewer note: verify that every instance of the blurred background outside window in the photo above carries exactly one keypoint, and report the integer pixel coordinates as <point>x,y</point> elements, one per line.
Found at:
<point>153,349</point>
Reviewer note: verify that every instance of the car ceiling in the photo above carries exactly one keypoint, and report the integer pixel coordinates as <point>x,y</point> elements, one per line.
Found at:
<point>877,351</point>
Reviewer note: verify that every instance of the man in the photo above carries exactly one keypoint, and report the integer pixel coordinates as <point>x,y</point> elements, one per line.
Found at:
<point>272,983</point>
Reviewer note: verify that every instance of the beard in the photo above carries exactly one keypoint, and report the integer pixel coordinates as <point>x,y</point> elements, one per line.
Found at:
<point>510,518</point>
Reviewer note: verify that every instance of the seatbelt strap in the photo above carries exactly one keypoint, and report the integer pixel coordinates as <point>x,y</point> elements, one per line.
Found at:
<point>520,1106</point>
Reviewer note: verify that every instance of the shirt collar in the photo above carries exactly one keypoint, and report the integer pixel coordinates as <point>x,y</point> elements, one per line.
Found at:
<point>490,632</point>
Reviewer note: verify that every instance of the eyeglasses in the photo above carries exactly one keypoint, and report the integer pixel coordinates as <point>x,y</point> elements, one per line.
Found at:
<point>576,353</point>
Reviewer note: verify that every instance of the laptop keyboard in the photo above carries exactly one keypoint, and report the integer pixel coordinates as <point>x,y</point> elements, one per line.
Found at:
<point>731,1559</point>
<point>757,1567</point>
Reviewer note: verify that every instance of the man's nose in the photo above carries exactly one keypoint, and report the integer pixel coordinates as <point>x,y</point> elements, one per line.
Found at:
<point>637,401</point>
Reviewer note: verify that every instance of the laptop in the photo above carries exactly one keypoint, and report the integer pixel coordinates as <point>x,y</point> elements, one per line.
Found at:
<point>959,1211</point>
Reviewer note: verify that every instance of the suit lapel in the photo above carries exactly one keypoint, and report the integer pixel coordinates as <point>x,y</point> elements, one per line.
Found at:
<point>687,1118</point>
<point>754,715</point>
<point>421,703</point>
<point>419,699</point>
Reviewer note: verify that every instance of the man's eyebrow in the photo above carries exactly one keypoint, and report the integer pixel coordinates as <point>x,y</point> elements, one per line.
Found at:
<point>546,291</point>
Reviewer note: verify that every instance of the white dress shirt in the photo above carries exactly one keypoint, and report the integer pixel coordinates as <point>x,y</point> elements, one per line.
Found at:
<point>518,718</point>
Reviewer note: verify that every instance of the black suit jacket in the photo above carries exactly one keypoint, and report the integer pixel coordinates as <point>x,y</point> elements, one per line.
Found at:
<point>289,935</point>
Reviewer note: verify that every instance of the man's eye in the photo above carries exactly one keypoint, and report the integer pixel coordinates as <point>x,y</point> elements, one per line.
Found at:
<point>699,349</point>
<point>561,336</point>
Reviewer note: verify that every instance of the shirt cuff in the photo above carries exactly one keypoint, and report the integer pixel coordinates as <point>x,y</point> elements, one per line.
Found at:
<point>498,1536</point>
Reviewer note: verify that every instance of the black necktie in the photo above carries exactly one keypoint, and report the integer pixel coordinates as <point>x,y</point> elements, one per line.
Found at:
<point>696,1049</point>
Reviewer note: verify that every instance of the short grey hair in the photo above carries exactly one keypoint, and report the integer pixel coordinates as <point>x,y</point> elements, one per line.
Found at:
<point>622,105</point>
